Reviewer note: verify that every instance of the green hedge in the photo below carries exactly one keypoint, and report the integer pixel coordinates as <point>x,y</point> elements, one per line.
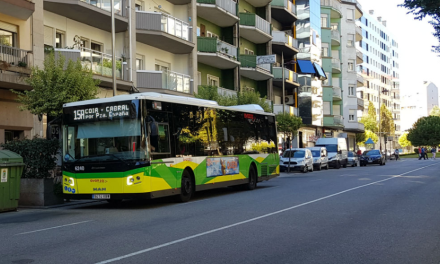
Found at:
<point>39,155</point>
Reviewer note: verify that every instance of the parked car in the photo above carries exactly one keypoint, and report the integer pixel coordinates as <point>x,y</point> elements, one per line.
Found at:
<point>336,150</point>
<point>300,160</point>
<point>320,159</point>
<point>372,157</point>
<point>352,159</point>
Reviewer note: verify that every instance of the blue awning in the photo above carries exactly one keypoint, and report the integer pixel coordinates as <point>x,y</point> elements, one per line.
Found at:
<point>319,70</point>
<point>369,141</point>
<point>306,67</point>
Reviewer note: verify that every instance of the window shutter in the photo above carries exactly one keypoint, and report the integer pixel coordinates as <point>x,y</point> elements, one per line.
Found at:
<point>48,36</point>
<point>8,27</point>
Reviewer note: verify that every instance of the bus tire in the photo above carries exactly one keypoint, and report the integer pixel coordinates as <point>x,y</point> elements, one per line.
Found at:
<point>252,184</point>
<point>186,187</point>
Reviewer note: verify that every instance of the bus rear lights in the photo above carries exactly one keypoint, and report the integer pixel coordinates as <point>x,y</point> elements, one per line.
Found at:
<point>130,180</point>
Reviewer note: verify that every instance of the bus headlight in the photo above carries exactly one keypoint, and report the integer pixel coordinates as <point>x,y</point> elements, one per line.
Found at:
<point>72,182</point>
<point>130,180</point>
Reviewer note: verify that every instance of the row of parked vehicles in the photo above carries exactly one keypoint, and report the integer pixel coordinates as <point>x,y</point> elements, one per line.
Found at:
<point>327,153</point>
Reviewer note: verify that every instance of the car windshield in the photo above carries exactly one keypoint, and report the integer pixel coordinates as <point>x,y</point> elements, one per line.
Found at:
<point>294,153</point>
<point>316,153</point>
<point>331,148</point>
<point>350,154</point>
<point>371,153</point>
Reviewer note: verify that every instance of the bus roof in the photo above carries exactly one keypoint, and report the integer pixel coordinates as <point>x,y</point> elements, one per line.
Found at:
<point>171,99</point>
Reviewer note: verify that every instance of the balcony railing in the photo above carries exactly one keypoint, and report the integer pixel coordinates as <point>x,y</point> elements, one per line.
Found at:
<point>360,102</point>
<point>336,64</point>
<point>250,61</point>
<point>278,109</point>
<point>360,79</point>
<point>359,55</point>
<point>168,80</point>
<point>119,7</point>
<point>288,74</point>
<point>331,3</point>
<point>281,36</point>
<point>336,35</point>
<point>338,120</point>
<point>163,22</point>
<point>337,92</point>
<point>228,5</point>
<point>226,92</point>
<point>214,45</point>
<point>286,4</point>
<point>15,56</point>
<point>249,19</point>
<point>100,63</point>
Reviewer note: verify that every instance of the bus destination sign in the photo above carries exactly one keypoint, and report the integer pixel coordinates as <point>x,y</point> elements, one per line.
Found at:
<point>102,112</point>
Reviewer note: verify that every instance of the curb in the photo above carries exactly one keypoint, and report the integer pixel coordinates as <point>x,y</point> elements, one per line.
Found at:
<point>66,204</point>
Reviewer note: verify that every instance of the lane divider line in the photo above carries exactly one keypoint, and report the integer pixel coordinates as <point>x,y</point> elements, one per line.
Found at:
<point>39,230</point>
<point>250,220</point>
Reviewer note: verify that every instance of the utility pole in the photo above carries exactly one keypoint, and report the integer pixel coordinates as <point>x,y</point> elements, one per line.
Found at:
<point>380,134</point>
<point>113,47</point>
<point>282,76</point>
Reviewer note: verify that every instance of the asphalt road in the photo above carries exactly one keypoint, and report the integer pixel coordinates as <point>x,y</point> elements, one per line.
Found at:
<point>375,214</point>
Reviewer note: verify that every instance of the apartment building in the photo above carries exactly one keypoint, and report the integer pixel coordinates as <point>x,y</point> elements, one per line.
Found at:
<point>419,104</point>
<point>380,67</point>
<point>21,47</point>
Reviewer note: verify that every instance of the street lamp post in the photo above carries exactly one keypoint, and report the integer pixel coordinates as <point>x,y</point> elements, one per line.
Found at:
<point>113,47</point>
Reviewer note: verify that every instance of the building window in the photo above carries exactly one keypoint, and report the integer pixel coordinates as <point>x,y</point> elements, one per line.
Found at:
<point>334,26</point>
<point>324,20</point>
<point>350,40</point>
<point>138,7</point>
<point>59,40</point>
<point>350,14</point>
<point>327,108</point>
<point>96,46</point>
<point>351,90</point>
<point>213,80</point>
<point>350,65</point>
<point>351,115</point>
<point>13,135</point>
<point>324,49</point>
<point>7,38</point>
<point>139,62</point>
<point>248,51</point>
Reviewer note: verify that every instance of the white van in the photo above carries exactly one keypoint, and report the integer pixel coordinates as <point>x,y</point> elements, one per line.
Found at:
<point>336,150</point>
<point>320,159</point>
<point>300,160</point>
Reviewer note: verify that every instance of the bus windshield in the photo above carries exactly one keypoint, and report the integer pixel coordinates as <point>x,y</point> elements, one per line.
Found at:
<point>104,141</point>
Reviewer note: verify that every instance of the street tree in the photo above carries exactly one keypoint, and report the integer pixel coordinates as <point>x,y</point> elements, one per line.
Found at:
<point>425,132</point>
<point>422,8</point>
<point>370,118</point>
<point>288,124</point>
<point>386,121</point>
<point>403,140</point>
<point>56,84</point>
<point>435,111</point>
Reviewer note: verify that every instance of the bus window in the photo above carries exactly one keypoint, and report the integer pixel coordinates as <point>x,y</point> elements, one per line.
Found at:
<point>160,142</point>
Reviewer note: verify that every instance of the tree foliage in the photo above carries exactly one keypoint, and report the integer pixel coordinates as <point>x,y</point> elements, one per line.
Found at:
<point>56,85</point>
<point>370,119</point>
<point>425,132</point>
<point>369,134</point>
<point>39,155</point>
<point>403,140</point>
<point>242,98</point>
<point>422,8</point>
<point>386,121</point>
<point>361,138</point>
<point>287,123</point>
<point>435,111</point>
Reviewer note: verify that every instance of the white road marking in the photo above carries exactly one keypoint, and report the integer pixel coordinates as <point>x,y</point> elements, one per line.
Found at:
<point>251,220</point>
<point>39,230</point>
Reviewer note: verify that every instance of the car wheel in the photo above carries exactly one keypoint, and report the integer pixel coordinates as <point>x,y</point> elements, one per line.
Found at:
<point>305,170</point>
<point>319,167</point>
<point>338,165</point>
<point>326,166</point>
<point>345,165</point>
<point>311,168</point>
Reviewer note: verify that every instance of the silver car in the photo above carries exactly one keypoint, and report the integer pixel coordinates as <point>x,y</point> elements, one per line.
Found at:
<point>320,159</point>
<point>353,159</point>
<point>300,160</point>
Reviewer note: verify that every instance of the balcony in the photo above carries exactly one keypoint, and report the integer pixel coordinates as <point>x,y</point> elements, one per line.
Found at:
<point>278,109</point>
<point>254,28</point>
<point>335,7</point>
<point>251,70</point>
<point>353,126</point>
<point>220,12</point>
<point>358,33</point>
<point>94,13</point>
<point>283,11</point>
<point>334,121</point>
<point>164,32</point>
<point>216,53</point>
<point>100,64</point>
<point>337,93</point>
<point>226,92</point>
<point>291,78</point>
<point>20,9</point>
<point>283,43</point>
<point>259,3</point>
<point>165,80</point>
<point>360,104</point>
<point>336,66</point>
<point>360,80</point>
<point>336,37</point>
<point>15,66</point>
<point>359,57</point>
<point>359,13</point>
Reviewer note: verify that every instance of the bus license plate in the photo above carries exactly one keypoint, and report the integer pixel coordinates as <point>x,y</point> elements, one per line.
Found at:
<point>101,196</point>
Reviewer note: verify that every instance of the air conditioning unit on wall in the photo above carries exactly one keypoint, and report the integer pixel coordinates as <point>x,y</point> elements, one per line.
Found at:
<point>290,100</point>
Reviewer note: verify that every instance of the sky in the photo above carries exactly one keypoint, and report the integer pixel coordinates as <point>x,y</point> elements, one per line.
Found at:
<point>417,62</point>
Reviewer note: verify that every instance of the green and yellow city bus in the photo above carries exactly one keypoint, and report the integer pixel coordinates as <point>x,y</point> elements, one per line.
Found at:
<point>149,145</point>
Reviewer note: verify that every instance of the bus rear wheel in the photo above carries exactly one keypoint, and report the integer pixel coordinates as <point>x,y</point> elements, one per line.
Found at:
<point>186,187</point>
<point>252,184</point>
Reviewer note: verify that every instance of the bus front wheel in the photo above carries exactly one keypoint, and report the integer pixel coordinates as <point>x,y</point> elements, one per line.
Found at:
<point>186,187</point>
<point>252,184</point>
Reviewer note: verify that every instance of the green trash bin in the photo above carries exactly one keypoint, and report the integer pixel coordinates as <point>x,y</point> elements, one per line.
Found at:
<point>11,168</point>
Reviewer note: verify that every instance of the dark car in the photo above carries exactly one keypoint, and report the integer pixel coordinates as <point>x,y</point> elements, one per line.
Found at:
<point>372,157</point>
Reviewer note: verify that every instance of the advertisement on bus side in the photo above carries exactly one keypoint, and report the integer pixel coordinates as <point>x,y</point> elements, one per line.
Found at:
<point>222,166</point>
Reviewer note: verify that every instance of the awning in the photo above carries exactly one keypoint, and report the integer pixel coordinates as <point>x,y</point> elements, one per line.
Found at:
<point>369,141</point>
<point>319,70</point>
<point>306,67</point>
